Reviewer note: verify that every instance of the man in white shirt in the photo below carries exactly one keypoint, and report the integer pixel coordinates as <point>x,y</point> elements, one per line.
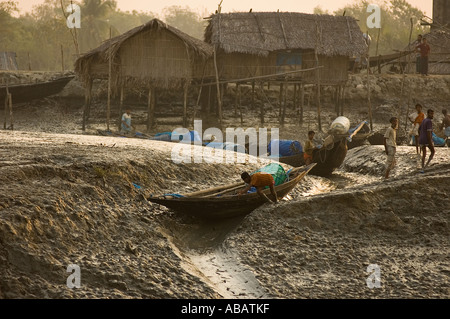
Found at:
<point>126,122</point>
<point>390,145</point>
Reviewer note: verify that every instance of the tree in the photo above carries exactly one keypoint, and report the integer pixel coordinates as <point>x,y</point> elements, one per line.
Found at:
<point>95,22</point>
<point>395,23</point>
<point>185,20</point>
<point>319,10</point>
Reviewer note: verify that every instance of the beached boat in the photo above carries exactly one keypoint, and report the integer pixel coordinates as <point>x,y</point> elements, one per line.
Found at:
<point>223,201</point>
<point>331,155</point>
<point>29,91</point>
<point>327,158</point>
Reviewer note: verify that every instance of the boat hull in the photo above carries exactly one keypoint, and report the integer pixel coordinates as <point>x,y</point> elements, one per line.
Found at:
<point>226,206</point>
<point>31,91</point>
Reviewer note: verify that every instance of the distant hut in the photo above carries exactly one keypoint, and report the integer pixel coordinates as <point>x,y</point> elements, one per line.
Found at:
<point>439,59</point>
<point>154,55</point>
<point>264,43</point>
<point>260,45</point>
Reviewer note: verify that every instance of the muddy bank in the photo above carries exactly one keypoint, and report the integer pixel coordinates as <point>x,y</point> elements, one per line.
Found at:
<point>71,199</point>
<point>67,199</point>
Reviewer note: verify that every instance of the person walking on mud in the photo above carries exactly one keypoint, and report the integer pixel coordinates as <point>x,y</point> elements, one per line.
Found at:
<point>426,138</point>
<point>259,181</point>
<point>390,145</point>
<point>416,123</point>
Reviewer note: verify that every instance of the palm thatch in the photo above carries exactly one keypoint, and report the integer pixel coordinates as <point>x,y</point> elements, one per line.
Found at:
<point>153,54</point>
<point>259,33</point>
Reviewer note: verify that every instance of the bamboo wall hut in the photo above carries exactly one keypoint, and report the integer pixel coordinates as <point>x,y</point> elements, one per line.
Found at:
<point>439,59</point>
<point>251,44</point>
<point>152,56</point>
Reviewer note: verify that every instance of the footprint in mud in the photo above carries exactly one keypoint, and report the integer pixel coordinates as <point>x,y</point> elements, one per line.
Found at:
<point>200,246</point>
<point>230,278</point>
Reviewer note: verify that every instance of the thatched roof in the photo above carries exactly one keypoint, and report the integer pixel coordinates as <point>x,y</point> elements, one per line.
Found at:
<point>111,46</point>
<point>262,32</point>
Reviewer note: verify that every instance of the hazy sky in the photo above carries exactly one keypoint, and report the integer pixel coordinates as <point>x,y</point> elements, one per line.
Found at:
<point>210,6</point>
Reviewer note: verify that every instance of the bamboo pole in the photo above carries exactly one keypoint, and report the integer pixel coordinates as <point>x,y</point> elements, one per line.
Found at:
<point>219,102</point>
<point>236,100</point>
<point>240,104</point>
<point>302,101</point>
<point>280,100</point>
<point>29,61</point>
<point>11,120</point>
<point>253,95</point>
<point>376,51</point>
<point>6,103</point>
<point>150,108</point>
<point>294,99</point>
<point>407,70</point>
<point>283,114</point>
<point>185,105</point>
<point>261,107</point>
<point>121,105</point>
<point>62,58</point>
<point>319,122</point>
<point>108,112</point>
<point>261,77</point>
<point>369,104</point>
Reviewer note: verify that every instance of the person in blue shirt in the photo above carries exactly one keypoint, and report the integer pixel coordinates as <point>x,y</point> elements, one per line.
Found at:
<point>126,122</point>
<point>426,138</point>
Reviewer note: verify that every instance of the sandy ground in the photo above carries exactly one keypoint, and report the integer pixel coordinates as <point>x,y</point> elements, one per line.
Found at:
<point>77,198</point>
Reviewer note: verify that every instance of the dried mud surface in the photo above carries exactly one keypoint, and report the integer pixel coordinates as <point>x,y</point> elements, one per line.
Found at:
<point>73,197</point>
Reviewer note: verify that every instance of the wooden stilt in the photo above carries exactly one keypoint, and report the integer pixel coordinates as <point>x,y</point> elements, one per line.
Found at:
<point>236,100</point>
<point>283,113</point>
<point>185,105</point>
<point>302,101</point>
<point>253,95</point>
<point>11,119</point>
<point>62,58</point>
<point>208,108</point>
<point>240,104</point>
<point>261,108</point>
<point>280,100</point>
<point>87,103</point>
<point>294,99</point>
<point>121,98</point>
<point>319,122</point>
<point>6,105</point>
<point>150,109</point>
<point>219,101</point>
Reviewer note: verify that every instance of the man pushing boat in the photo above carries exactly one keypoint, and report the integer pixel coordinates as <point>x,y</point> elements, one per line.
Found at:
<point>259,181</point>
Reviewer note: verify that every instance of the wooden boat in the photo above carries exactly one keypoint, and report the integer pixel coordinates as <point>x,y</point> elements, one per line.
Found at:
<point>30,91</point>
<point>330,157</point>
<point>222,202</point>
<point>327,159</point>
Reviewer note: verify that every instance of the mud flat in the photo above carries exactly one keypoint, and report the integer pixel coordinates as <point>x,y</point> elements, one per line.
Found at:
<point>73,199</point>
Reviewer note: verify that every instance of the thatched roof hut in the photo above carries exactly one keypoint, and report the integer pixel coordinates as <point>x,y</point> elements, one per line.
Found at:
<point>439,60</point>
<point>260,43</point>
<point>154,54</point>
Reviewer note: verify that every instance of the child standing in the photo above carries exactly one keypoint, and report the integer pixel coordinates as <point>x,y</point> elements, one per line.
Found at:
<point>390,145</point>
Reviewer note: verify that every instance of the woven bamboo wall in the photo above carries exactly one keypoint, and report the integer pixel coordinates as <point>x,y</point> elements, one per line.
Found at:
<point>157,57</point>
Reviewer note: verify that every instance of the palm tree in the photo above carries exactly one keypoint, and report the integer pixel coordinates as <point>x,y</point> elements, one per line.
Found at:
<point>94,23</point>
